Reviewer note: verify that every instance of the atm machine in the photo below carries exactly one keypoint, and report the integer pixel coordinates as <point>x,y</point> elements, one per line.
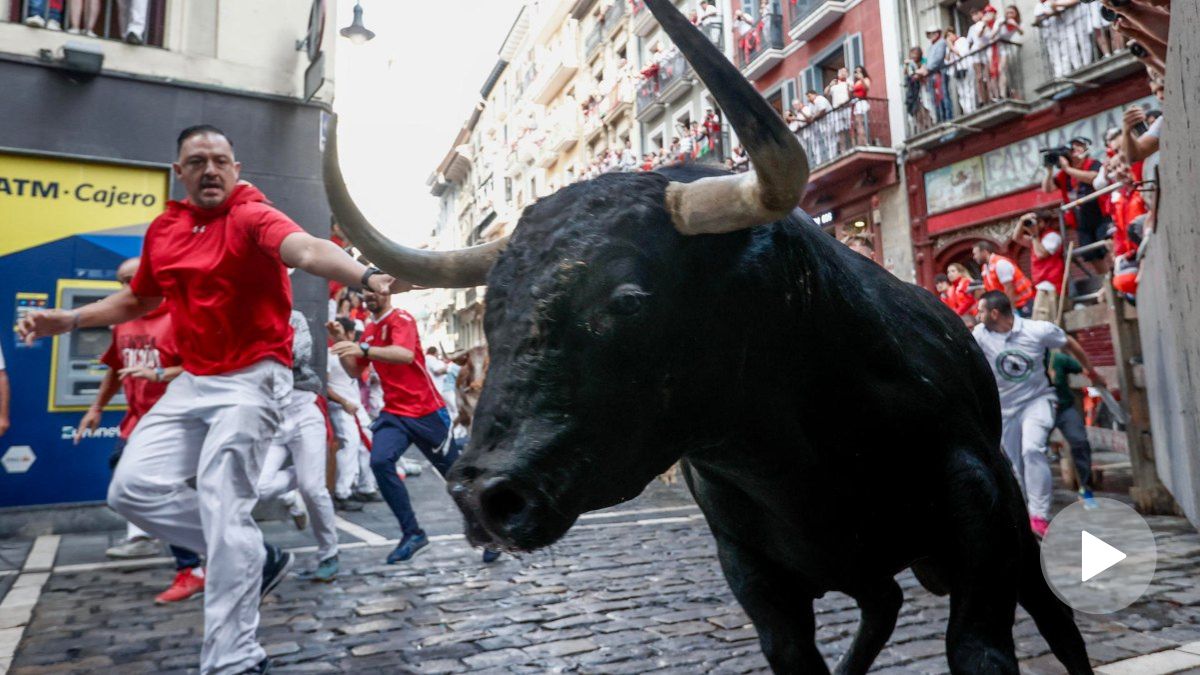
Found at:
<point>75,367</point>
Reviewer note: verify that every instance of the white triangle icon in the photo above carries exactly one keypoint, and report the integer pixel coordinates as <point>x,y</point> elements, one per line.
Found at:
<point>1097,555</point>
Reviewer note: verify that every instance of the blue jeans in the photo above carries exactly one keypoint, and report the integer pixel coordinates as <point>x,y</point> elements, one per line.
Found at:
<point>392,436</point>
<point>184,558</point>
<point>943,109</point>
<point>39,8</point>
<point>1070,423</point>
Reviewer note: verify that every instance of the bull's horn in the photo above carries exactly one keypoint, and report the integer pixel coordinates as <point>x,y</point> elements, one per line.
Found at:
<point>775,185</point>
<point>461,268</point>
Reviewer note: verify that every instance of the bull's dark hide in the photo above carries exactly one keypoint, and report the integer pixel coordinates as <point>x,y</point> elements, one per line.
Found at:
<point>837,425</point>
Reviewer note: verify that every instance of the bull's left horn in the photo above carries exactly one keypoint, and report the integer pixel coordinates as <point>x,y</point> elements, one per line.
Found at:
<point>460,268</point>
<point>774,187</point>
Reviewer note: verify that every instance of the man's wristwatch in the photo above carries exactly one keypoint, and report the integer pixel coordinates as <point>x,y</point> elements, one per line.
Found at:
<point>366,349</point>
<point>159,374</point>
<point>366,277</point>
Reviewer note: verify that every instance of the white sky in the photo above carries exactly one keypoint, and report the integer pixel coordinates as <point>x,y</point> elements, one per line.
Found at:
<point>402,97</point>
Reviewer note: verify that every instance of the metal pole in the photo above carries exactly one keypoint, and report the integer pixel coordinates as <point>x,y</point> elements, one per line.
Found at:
<point>1062,288</point>
<point>1089,197</point>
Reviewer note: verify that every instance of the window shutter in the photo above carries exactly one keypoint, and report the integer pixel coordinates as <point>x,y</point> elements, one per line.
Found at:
<point>854,52</point>
<point>789,94</point>
<point>810,80</point>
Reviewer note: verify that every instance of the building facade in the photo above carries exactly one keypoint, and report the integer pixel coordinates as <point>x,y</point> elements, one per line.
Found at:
<point>85,152</point>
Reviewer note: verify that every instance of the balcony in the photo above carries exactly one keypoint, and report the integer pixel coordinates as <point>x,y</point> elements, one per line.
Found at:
<point>1069,70</point>
<point>809,17</point>
<point>976,92</point>
<point>614,17</point>
<point>565,129</point>
<point>643,21</point>
<point>559,64</point>
<point>858,127</point>
<point>762,49</point>
<point>648,103</point>
<point>675,78</point>
<point>107,25</point>
<point>619,100</point>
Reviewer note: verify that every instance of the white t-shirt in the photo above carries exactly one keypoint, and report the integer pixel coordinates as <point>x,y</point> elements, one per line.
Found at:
<point>1019,359</point>
<point>975,35</point>
<point>821,105</point>
<point>839,93</point>
<point>339,381</point>
<point>1005,271</point>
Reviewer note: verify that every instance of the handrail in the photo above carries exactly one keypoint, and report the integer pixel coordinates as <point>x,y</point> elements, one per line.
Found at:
<point>1092,196</point>
<point>844,106</point>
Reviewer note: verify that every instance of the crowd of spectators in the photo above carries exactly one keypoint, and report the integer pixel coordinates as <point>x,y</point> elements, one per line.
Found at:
<point>832,121</point>
<point>80,17</point>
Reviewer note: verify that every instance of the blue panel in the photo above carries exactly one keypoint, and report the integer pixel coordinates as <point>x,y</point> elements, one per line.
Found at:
<point>62,472</point>
<point>124,245</point>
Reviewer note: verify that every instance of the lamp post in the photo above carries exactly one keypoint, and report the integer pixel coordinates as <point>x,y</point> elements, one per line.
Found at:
<point>356,31</point>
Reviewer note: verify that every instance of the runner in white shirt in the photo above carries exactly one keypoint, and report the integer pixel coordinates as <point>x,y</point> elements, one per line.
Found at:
<point>350,423</point>
<point>1018,350</point>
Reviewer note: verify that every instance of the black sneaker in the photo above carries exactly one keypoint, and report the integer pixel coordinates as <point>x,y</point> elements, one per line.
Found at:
<point>347,504</point>
<point>408,547</point>
<point>275,568</point>
<point>367,497</point>
<point>490,555</point>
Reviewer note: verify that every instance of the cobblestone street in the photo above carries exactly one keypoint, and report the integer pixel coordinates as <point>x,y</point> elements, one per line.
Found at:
<point>633,590</point>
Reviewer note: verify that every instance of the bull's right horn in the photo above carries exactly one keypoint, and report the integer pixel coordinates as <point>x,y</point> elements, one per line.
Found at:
<point>775,185</point>
<point>460,268</point>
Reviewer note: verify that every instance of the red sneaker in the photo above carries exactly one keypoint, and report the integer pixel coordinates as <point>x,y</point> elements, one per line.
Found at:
<point>187,583</point>
<point>1039,526</point>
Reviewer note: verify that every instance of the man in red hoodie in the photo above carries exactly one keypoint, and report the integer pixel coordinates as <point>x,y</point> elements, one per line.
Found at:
<point>219,258</point>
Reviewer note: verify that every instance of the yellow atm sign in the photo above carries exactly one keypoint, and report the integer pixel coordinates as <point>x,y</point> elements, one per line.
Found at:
<point>44,199</point>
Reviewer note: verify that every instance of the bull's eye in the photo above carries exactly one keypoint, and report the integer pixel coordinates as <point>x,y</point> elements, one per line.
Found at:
<point>627,300</point>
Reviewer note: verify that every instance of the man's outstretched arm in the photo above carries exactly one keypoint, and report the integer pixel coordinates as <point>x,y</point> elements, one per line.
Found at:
<point>117,308</point>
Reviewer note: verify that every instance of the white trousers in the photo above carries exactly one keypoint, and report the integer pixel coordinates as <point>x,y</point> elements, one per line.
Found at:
<point>353,460</point>
<point>301,436</point>
<point>1025,435</point>
<point>216,429</point>
<point>133,13</point>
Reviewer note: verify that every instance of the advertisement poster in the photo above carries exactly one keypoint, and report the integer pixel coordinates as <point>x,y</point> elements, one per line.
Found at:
<point>959,183</point>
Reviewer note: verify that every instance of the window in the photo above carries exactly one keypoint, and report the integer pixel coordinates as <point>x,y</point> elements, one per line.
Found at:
<point>824,68</point>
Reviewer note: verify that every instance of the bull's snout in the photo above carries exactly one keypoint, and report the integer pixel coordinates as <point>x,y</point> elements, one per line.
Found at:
<point>498,509</point>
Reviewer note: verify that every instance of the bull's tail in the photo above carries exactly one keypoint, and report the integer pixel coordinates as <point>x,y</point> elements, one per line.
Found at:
<point>1054,619</point>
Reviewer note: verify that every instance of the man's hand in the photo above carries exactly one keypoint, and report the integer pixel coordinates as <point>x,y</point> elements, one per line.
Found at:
<point>4,425</point>
<point>350,407</point>
<point>45,323</point>
<point>142,372</point>
<point>1133,115</point>
<point>1063,162</point>
<point>389,285</point>
<point>337,332</point>
<point>1096,378</point>
<point>90,422</point>
<point>347,348</point>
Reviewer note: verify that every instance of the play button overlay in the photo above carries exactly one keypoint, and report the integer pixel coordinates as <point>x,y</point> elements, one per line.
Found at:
<point>1096,555</point>
<point>1099,560</point>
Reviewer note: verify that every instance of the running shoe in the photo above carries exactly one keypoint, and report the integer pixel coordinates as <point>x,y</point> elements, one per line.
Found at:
<point>275,568</point>
<point>1039,526</point>
<point>262,668</point>
<point>347,504</point>
<point>408,547</point>
<point>138,547</point>
<point>35,21</point>
<point>490,555</point>
<point>54,24</point>
<point>327,570</point>
<point>411,466</point>
<point>1089,501</point>
<point>188,582</point>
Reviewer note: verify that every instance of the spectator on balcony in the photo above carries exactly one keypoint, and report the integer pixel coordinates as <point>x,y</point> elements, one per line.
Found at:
<point>1074,180</point>
<point>818,108</point>
<point>958,55</point>
<point>861,90</point>
<point>934,73</point>
<point>629,160</point>
<point>1108,40</point>
<point>45,14</point>
<point>976,41</point>
<point>1005,35</point>
<point>133,19</point>
<point>741,161</point>
<point>746,28</point>
<point>916,101</point>
<point>1047,263</point>
<point>1002,274</point>
<point>1047,17</point>
<point>838,92</point>
<point>962,299</point>
<point>709,14</point>
<point>82,16</point>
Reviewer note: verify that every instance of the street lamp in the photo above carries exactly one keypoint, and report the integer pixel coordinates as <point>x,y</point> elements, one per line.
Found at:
<point>356,31</point>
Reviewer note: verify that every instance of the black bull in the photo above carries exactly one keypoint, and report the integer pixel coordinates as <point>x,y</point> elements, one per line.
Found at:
<point>835,424</point>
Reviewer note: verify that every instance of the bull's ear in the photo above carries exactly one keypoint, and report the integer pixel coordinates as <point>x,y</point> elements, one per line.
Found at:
<point>780,168</point>
<point>462,268</point>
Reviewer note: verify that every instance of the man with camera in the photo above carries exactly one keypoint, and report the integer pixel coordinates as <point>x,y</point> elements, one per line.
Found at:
<point>1046,262</point>
<point>1076,172</point>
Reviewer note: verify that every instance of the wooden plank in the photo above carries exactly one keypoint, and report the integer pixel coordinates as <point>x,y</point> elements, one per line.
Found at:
<point>1087,317</point>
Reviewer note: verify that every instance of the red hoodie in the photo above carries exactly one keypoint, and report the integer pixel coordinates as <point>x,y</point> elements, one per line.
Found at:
<point>220,270</point>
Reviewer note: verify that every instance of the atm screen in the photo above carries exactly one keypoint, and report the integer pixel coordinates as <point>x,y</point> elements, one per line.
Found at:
<point>90,343</point>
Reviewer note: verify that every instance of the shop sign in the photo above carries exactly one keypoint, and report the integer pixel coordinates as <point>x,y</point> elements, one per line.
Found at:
<point>1016,166</point>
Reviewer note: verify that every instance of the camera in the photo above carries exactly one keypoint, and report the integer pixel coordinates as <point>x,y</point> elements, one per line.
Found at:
<point>1137,49</point>
<point>1109,15</point>
<point>1050,155</point>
